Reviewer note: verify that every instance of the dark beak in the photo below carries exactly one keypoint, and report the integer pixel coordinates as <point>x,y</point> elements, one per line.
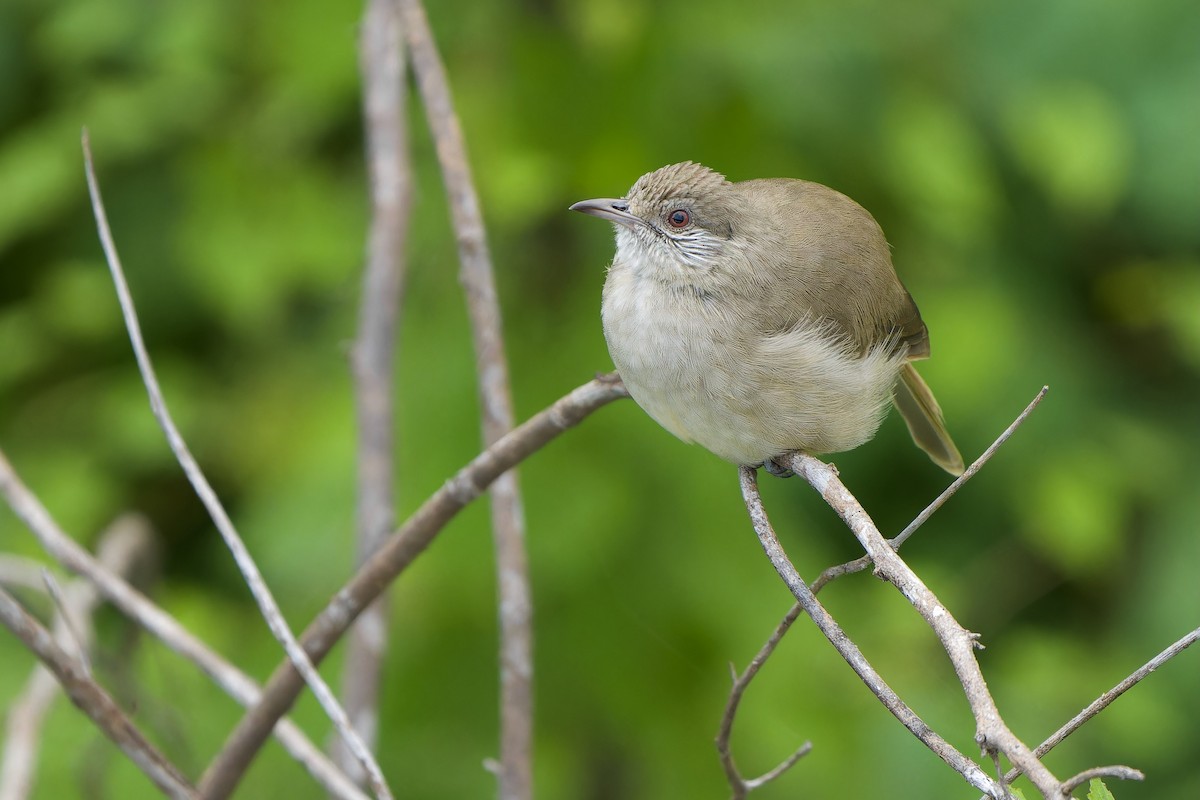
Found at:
<point>607,208</point>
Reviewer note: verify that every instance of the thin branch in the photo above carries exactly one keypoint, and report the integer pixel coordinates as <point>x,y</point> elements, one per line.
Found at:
<point>1105,700</point>
<point>87,695</point>
<point>515,603</point>
<point>162,625</point>
<point>401,548</point>
<point>241,555</point>
<point>902,537</point>
<point>19,572</point>
<point>859,564</point>
<point>120,545</point>
<point>73,634</point>
<point>849,650</point>
<point>381,62</point>
<point>742,786</point>
<point>1114,771</point>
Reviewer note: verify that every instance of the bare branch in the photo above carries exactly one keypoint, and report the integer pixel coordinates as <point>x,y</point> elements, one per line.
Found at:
<point>87,695</point>
<point>162,625</point>
<point>1116,771</point>
<point>515,601</point>
<point>392,558</point>
<point>241,555</point>
<point>21,572</point>
<point>741,786</point>
<point>381,62</point>
<point>1105,700</point>
<point>970,472</point>
<point>120,545</point>
<point>73,634</point>
<point>861,563</point>
<point>848,650</point>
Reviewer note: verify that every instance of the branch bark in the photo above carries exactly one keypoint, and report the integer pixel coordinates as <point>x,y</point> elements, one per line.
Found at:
<point>381,62</point>
<point>121,545</point>
<point>515,603</point>
<point>92,700</point>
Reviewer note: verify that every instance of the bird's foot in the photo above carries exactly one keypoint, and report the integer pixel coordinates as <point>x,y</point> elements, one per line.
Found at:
<point>777,468</point>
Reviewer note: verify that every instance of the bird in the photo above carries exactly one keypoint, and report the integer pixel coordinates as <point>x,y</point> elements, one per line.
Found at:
<point>761,317</point>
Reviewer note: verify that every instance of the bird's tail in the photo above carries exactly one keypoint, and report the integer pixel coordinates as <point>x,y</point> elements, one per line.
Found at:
<point>924,419</point>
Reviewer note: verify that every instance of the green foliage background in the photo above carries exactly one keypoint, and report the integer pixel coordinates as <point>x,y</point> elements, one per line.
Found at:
<point>1037,171</point>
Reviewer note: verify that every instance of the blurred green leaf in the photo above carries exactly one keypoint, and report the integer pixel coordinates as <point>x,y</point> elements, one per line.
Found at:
<point>1071,139</point>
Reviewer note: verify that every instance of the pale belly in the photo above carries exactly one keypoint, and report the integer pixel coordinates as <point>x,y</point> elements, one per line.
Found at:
<point>744,395</point>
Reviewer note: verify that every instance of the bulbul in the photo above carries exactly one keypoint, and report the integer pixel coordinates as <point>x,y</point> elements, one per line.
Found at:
<point>761,317</point>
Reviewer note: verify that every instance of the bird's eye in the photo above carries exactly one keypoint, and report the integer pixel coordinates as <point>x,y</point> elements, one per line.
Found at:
<point>679,218</point>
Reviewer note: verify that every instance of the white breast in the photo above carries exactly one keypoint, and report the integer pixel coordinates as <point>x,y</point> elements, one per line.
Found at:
<point>742,394</point>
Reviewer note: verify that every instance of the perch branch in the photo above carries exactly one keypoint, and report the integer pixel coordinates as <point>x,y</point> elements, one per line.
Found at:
<point>381,62</point>
<point>742,682</point>
<point>241,555</point>
<point>992,734</point>
<point>163,626</point>
<point>514,602</point>
<point>400,549</point>
<point>849,650</point>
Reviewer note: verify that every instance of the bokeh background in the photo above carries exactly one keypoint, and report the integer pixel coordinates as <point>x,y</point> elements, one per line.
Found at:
<point>1036,167</point>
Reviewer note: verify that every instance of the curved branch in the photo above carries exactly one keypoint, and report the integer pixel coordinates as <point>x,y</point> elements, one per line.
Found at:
<point>742,786</point>
<point>263,597</point>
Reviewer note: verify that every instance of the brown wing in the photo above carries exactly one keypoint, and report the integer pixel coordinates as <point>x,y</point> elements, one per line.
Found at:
<point>910,329</point>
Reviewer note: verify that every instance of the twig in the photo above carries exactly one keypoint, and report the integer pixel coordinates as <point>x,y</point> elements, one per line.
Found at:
<point>162,625</point>
<point>120,545</point>
<point>241,555</point>
<point>861,563</point>
<point>1115,771</point>
<point>1105,700</point>
<point>401,548</point>
<point>72,634</point>
<point>515,603</point>
<point>87,695</point>
<point>902,537</point>
<point>849,650</point>
<point>742,786</point>
<point>381,62</point>
<point>21,572</point>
